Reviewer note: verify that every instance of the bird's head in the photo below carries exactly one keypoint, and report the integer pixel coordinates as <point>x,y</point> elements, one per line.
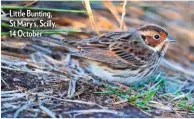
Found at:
<point>156,37</point>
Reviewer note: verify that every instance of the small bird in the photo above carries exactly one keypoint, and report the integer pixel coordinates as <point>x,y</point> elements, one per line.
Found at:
<point>124,57</point>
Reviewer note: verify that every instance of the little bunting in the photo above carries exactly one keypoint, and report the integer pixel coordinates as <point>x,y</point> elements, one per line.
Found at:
<point>124,57</point>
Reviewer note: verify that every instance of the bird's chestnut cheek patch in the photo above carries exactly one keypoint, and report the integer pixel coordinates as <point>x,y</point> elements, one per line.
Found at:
<point>152,42</point>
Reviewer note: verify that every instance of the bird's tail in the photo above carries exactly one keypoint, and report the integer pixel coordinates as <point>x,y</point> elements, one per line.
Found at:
<point>66,44</point>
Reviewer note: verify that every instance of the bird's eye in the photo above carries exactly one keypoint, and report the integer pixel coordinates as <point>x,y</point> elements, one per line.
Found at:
<point>156,37</point>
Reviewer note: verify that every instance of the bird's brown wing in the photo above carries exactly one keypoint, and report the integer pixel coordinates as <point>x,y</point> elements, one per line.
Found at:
<point>119,49</point>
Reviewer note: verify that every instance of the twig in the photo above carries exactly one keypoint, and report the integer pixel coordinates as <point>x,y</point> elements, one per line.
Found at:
<point>182,86</point>
<point>73,101</point>
<point>176,67</point>
<point>8,110</point>
<point>22,109</point>
<point>9,92</point>
<point>160,106</point>
<point>11,99</point>
<point>8,105</point>
<point>32,72</point>
<point>179,97</point>
<point>5,83</point>
<point>14,54</point>
<point>49,112</point>
<point>12,95</point>
<point>9,62</point>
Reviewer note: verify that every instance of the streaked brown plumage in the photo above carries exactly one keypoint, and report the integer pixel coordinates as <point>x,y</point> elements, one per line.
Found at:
<point>120,56</point>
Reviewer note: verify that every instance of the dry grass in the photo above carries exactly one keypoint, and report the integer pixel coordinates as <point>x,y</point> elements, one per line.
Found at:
<point>123,15</point>
<point>91,16</point>
<point>115,13</point>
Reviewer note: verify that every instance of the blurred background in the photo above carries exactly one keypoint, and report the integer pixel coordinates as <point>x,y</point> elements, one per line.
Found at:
<point>107,16</point>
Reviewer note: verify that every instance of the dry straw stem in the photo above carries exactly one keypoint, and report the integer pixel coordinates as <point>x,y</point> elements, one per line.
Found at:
<point>31,3</point>
<point>123,15</point>
<point>90,14</point>
<point>47,111</point>
<point>111,7</point>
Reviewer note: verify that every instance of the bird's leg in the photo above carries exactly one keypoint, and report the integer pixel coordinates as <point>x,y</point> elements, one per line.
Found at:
<point>67,63</point>
<point>77,72</point>
<point>72,82</point>
<point>72,87</point>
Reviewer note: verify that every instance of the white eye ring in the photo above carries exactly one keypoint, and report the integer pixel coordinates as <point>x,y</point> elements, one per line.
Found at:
<point>156,37</point>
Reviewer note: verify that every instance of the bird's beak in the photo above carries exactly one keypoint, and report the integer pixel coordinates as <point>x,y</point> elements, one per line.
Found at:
<point>170,39</point>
